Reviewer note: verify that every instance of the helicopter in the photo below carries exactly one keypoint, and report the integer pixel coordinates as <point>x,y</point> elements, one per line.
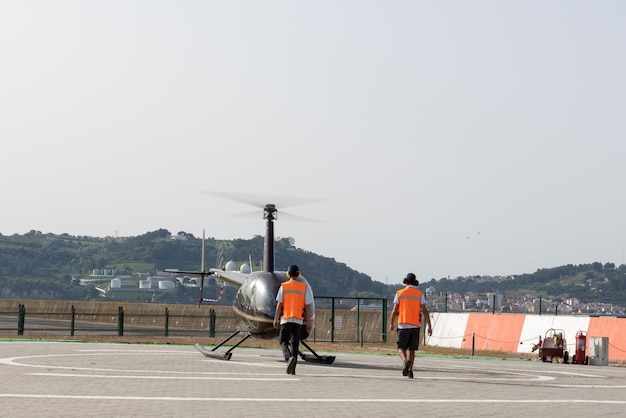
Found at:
<point>255,300</point>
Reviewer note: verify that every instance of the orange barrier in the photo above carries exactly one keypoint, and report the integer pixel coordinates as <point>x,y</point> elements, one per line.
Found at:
<point>613,328</point>
<point>497,332</point>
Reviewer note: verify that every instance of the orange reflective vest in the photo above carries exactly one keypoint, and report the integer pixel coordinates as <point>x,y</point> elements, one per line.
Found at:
<point>410,306</point>
<point>293,299</point>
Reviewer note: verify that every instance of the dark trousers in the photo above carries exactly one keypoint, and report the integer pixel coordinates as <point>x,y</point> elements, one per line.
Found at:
<point>290,338</point>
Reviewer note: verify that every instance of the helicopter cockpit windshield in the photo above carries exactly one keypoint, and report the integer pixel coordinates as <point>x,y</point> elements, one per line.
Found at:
<point>257,296</point>
<point>265,290</point>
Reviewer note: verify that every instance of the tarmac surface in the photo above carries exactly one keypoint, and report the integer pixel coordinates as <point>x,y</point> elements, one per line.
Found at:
<point>78,379</point>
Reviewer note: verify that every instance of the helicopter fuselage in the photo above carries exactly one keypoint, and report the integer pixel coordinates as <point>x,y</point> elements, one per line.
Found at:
<point>255,302</point>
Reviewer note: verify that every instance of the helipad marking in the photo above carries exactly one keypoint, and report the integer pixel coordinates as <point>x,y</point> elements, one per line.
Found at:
<point>14,361</point>
<point>109,376</point>
<point>316,400</point>
<point>236,377</point>
<point>465,368</point>
<point>589,386</point>
<point>158,374</point>
<point>522,375</point>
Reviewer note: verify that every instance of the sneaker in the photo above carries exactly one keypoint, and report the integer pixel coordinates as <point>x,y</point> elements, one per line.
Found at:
<point>291,367</point>
<point>405,371</point>
<point>410,374</point>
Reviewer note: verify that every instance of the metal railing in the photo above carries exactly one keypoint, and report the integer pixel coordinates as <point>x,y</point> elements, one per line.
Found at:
<point>343,320</point>
<point>119,322</point>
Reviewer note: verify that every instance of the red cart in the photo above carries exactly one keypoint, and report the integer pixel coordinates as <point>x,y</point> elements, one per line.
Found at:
<point>554,345</point>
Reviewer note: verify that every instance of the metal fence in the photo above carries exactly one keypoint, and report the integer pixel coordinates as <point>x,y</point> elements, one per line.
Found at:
<point>337,319</point>
<point>119,322</point>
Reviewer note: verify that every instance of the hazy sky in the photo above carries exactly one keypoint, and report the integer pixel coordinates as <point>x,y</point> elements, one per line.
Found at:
<point>446,138</point>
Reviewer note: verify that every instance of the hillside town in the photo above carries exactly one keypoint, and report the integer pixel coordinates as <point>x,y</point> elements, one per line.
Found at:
<point>495,302</point>
<point>525,303</point>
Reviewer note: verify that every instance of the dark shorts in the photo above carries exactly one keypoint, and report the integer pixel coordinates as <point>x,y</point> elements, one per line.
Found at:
<point>408,338</point>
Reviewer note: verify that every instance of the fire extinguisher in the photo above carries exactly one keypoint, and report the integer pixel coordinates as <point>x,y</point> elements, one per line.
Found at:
<point>581,348</point>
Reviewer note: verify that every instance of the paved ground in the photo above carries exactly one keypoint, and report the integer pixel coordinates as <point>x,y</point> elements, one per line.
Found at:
<point>65,379</point>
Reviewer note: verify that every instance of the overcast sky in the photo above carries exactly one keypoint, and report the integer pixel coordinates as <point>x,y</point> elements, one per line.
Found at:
<point>446,138</point>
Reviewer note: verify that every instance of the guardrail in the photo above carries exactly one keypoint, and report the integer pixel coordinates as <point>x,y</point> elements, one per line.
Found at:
<point>341,319</point>
<point>164,323</point>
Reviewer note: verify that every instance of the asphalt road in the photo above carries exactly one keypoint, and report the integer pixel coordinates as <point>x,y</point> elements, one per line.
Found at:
<point>101,380</point>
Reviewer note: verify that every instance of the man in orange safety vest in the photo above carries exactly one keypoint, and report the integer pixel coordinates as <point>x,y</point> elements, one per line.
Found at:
<point>294,301</point>
<point>409,306</point>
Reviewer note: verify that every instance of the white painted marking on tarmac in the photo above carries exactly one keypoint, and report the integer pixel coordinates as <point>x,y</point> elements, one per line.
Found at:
<point>236,377</point>
<point>15,361</point>
<point>520,374</point>
<point>109,376</point>
<point>317,400</point>
<point>557,372</point>
<point>589,386</point>
<point>433,377</point>
<point>510,370</point>
<point>137,352</point>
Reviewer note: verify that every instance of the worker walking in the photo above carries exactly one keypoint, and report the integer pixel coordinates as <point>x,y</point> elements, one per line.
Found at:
<point>294,300</point>
<point>409,306</point>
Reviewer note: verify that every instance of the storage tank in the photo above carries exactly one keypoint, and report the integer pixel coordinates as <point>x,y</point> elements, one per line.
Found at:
<point>145,284</point>
<point>231,266</point>
<point>116,283</point>
<point>166,285</point>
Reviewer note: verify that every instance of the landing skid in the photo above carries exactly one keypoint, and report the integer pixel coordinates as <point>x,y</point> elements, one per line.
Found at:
<point>315,358</point>
<point>228,354</point>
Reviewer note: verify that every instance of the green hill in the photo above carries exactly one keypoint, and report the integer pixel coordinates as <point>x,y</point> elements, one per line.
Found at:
<point>49,266</point>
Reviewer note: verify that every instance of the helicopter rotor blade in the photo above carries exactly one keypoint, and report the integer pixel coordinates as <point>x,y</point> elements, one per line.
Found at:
<point>281,215</point>
<point>260,200</point>
<point>288,216</point>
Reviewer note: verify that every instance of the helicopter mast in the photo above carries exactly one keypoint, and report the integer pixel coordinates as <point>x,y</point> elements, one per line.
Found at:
<point>269,214</point>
